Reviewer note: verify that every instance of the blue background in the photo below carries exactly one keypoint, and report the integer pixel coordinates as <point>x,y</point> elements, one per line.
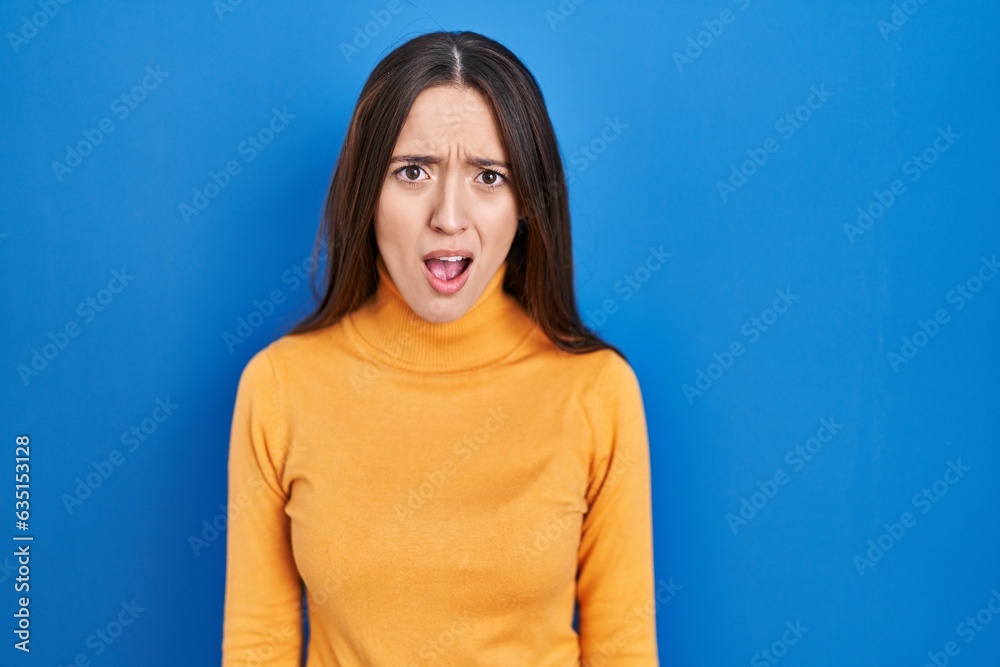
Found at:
<point>647,137</point>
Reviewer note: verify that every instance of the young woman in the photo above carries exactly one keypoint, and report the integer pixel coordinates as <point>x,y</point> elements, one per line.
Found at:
<point>442,465</point>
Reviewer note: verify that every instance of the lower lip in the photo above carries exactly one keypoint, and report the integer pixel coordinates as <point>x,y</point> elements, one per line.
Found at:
<point>447,286</point>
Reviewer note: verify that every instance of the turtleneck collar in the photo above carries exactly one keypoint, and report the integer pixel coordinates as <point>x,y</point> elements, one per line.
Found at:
<point>388,329</point>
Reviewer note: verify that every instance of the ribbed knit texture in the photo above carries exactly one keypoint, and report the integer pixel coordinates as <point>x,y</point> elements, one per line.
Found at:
<point>445,492</point>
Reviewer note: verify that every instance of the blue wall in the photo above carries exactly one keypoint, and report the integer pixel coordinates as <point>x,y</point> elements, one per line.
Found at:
<point>818,353</point>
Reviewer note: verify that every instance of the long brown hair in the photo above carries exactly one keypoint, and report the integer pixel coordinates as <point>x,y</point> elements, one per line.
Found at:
<point>540,262</point>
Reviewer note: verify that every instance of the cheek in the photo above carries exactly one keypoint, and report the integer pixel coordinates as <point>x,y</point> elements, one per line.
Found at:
<point>390,216</point>
<point>500,220</point>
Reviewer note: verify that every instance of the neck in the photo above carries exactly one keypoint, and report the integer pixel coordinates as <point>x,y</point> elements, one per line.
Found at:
<point>388,329</point>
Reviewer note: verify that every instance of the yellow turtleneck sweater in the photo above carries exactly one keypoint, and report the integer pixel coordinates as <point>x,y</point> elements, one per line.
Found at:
<point>445,492</point>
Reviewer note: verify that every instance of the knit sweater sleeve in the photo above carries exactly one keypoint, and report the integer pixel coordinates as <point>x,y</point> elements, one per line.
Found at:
<point>262,623</point>
<point>615,586</point>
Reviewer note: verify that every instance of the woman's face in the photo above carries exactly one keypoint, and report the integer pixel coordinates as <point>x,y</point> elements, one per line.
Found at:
<point>446,195</point>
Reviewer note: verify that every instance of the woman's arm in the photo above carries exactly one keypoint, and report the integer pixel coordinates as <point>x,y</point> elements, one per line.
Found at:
<point>615,587</point>
<point>263,610</point>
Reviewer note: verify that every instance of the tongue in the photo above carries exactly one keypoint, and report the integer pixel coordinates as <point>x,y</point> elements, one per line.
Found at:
<point>443,270</point>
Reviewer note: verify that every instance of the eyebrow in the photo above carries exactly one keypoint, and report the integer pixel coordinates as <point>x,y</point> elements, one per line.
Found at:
<point>474,160</point>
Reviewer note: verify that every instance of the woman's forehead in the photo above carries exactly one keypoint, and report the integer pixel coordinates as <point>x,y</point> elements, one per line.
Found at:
<point>444,117</point>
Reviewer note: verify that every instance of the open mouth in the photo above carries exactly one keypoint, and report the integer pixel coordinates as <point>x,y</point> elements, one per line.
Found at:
<point>447,275</point>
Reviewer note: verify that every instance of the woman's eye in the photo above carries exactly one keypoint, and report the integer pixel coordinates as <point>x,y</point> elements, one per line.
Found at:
<point>411,172</point>
<point>492,178</point>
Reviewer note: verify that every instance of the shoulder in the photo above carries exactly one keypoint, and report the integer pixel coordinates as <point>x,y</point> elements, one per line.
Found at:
<point>618,383</point>
<point>600,374</point>
<point>282,356</point>
<point>606,371</point>
<point>258,370</point>
<point>604,380</point>
<point>615,369</point>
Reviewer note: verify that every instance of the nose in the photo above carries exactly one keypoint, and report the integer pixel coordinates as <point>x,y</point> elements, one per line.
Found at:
<point>449,213</point>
